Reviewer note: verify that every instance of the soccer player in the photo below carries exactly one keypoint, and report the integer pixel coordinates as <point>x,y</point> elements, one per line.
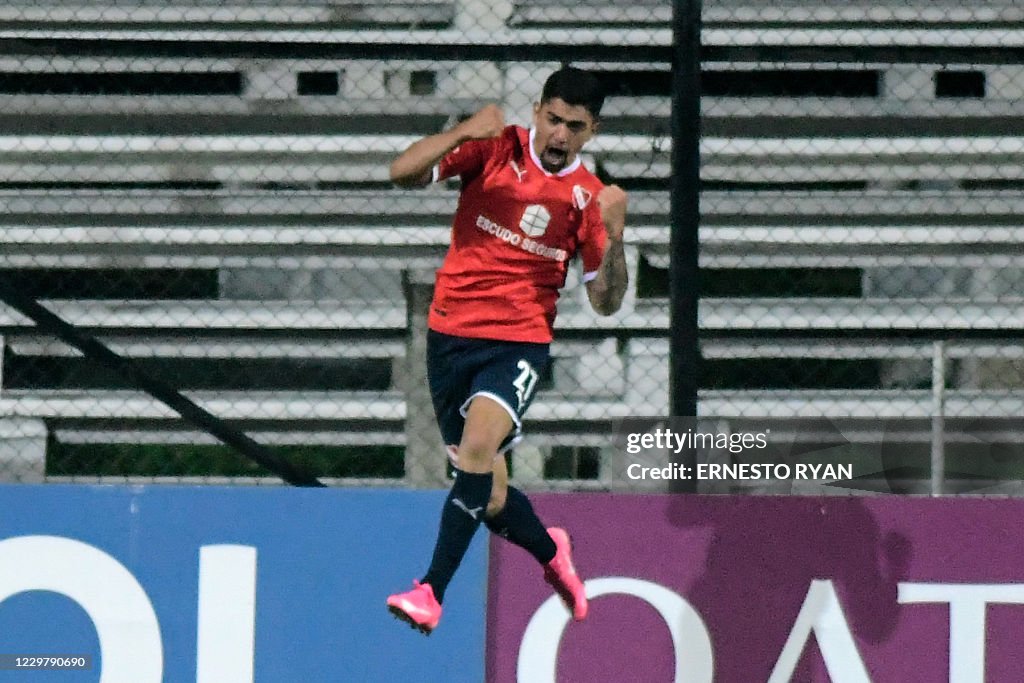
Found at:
<point>526,207</point>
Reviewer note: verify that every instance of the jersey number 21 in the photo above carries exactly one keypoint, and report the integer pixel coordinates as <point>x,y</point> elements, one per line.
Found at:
<point>525,383</point>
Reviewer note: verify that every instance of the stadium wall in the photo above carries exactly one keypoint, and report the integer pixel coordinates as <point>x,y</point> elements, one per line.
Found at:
<point>226,585</point>
<point>737,589</point>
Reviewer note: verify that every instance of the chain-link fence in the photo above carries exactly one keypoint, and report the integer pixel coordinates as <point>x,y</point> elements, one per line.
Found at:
<point>860,236</point>
<point>203,187</point>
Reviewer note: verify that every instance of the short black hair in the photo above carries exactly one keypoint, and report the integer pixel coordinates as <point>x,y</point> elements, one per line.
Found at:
<point>575,87</point>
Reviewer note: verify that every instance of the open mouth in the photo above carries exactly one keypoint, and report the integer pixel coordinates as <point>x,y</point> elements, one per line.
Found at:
<point>554,157</point>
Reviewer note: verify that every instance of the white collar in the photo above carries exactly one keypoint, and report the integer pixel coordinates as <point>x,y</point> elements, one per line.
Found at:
<point>536,160</point>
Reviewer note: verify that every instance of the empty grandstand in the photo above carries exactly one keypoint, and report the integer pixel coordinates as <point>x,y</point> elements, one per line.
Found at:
<point>203,186</point>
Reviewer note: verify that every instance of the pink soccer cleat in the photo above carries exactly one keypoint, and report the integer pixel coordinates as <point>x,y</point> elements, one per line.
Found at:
<point>418,607</point>
<point>561,574</point>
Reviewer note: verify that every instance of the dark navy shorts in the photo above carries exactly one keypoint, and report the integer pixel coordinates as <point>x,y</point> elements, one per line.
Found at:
<point>460,368</point>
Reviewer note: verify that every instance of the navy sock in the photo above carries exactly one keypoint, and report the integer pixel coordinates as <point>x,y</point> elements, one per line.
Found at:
<point>463,511</point>
<point>519,523</point>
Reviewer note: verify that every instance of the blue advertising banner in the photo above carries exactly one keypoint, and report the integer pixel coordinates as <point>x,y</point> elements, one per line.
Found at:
<point>226,584</point>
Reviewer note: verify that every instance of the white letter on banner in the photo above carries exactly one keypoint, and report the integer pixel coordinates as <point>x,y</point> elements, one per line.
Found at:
<point>227,614</point>
<point>691,643</point>
<point>120,610</point>
<point>967,604</point>
<point>822,614</point>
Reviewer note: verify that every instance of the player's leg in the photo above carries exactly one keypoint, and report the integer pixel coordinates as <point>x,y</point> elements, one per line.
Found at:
<point>499,487</point>
<point>486,426</point>
<point>511,516</point>
<point>516,521</point>
<point>451,366</point>
<point>512,380</point>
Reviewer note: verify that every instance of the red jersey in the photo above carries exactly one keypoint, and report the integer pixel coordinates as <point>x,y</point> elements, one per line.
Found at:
<point>515,229</point>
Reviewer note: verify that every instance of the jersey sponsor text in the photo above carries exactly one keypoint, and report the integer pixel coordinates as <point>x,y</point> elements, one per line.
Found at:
<point>516,240</point>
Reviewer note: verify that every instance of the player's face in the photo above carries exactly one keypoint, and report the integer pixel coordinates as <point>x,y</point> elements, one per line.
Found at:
<point>562,130</point>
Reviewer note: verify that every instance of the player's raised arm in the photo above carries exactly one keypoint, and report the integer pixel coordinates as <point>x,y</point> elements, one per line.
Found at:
<point>607,289</point>
<point>413,167</point>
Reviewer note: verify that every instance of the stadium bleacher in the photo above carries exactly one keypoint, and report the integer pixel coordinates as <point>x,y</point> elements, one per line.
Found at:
<point>275,177</point>
<point>50,14</point>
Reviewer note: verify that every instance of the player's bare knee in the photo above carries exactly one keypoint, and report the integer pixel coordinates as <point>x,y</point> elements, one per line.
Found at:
<point>475,457</point>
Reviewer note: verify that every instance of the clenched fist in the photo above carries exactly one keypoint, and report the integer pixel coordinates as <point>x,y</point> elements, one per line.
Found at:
<point>612,200</point>
<point>486,123</point>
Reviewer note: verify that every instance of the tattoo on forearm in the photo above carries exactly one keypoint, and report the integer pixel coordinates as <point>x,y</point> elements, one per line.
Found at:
<point>612,277</point>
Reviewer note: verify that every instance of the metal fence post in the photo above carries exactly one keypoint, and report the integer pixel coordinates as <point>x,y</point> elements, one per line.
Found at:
<point>684,187</point>
<point>938,448</point>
